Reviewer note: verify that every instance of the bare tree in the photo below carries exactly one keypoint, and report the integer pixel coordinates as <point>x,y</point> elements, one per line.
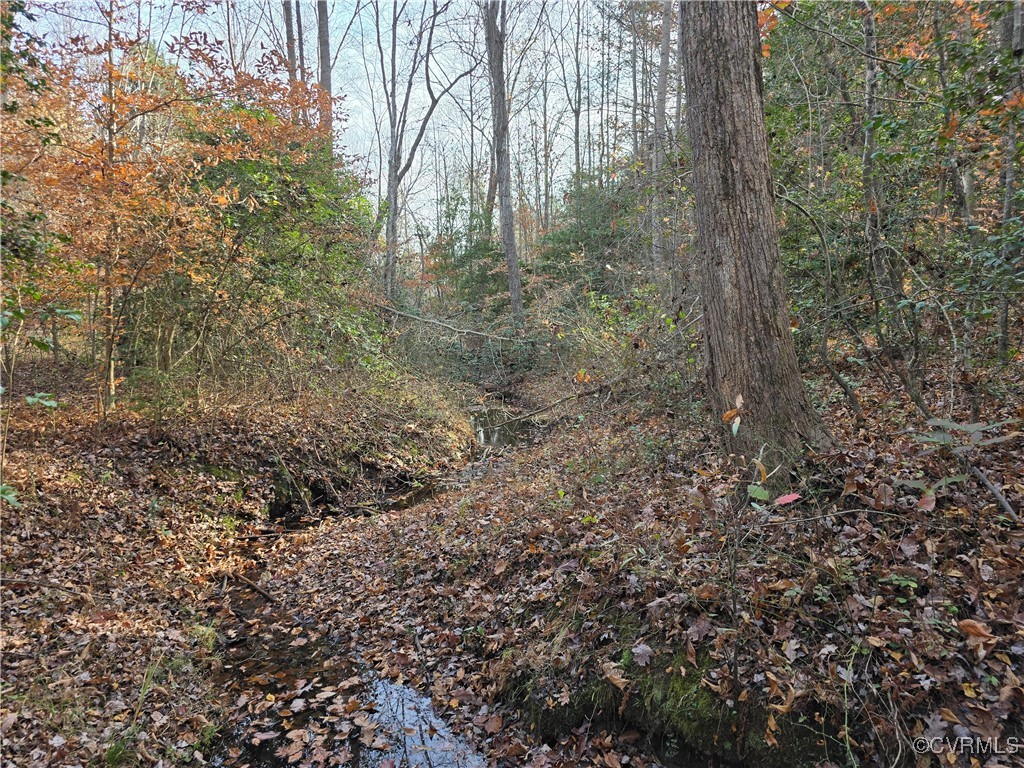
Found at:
<point>300,40</point>
<point>289,34</point>
<point>658,150</point>
<point>323,38</point>
<point>494,35</point>
<point>401,122</point>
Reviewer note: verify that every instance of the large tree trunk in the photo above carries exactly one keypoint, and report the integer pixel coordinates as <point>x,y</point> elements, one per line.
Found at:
<point>324,43</point>
<point>750,355</point>
<point>495,37</point>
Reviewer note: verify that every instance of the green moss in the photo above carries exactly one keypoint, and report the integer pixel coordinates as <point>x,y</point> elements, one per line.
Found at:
<point>205,636</point>
<point>680,709</point>
<point>223,473</point>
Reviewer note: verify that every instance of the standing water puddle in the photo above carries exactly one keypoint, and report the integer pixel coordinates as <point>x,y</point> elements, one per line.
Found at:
<point>423,738</point>
<point>294,697</point>
<point>496,427</point>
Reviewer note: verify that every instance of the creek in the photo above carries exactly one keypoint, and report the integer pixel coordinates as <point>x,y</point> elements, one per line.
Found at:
<point>297,695</point>
<point>347,713</point>
<point>496,427</point>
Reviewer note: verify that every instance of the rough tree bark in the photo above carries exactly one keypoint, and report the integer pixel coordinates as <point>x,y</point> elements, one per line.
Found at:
<point>494,32</point>
<point>748,343</point>
<point>324,45</point>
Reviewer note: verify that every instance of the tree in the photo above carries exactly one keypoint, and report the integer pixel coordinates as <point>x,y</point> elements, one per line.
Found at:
<point>398,95</point>
<point>324,47</point>
<point>494,33</point>
<point>751,364</point>
<point>658,155</point>
<point>289,31</point>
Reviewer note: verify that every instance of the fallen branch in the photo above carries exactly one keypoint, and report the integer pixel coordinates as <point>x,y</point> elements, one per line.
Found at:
<point>254,586</point>
<point>1003,502</point>
<point>452,328</point>
<point>575,396</point>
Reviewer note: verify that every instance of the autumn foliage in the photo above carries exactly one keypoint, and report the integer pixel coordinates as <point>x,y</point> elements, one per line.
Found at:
<point>130,173</point>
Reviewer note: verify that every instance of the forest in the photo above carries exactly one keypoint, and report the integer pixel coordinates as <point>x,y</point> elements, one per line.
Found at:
<point>465,383</point>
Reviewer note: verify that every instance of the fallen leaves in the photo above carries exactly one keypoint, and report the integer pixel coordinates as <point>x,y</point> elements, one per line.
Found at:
<point>614,675</point>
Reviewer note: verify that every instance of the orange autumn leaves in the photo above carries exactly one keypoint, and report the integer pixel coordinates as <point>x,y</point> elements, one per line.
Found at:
<point>767,19</point>
<point>115,153</point>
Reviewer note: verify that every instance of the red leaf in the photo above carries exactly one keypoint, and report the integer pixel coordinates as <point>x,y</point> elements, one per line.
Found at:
<point>789,498</point>
<point>493,724</point>
<point>975,629</point>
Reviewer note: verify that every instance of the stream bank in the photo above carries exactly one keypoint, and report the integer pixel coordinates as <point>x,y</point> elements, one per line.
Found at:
<point>408,601</point>
<point>491,598</point>
<point>298,694</point>
<point>529,596</point>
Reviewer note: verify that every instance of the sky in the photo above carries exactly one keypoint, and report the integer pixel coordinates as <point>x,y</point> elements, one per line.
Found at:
<point>256,26</point>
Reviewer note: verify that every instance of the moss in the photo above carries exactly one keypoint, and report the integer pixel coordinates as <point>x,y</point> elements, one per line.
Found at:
<point>679,709</point>
<point>204,636</point>
<point>223,473</point>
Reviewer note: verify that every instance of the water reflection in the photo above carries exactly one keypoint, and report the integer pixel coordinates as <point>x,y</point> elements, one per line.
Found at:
<point>496,428</point>
<point>421,739</point>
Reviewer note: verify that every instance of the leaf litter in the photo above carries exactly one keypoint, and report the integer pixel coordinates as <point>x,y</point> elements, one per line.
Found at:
<point>135,622</point>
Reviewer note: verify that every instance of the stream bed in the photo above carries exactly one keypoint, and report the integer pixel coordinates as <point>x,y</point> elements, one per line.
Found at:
<point>295,696</point>
<point>497,427</point>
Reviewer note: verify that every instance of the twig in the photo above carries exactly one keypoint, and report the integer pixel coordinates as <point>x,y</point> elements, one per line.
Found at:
<point>1007,507</point>
<point>50,584</point>
<point>253,585</point>
<point>452,328</point>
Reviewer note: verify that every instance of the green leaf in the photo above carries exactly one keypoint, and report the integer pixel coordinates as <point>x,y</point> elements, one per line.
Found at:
<point>41,398</point>
<point>40,344</point>
<point>9,495</point>
<point>758,492</point>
